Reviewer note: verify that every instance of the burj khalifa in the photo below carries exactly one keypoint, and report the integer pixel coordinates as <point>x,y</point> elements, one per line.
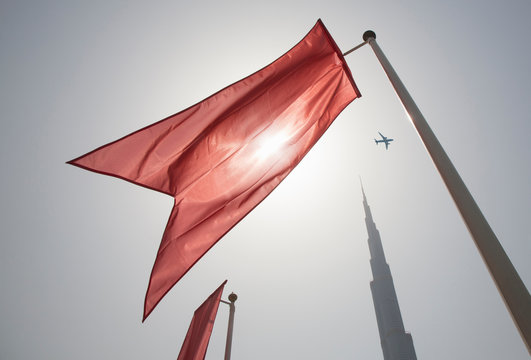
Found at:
<point>397,344</point>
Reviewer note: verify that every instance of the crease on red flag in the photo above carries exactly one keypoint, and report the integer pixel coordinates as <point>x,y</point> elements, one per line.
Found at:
<point>195,343</point>
<point>219,158</point>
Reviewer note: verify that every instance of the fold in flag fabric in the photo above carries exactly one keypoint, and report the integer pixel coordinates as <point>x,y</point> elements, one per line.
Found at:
<point>196,341</point>
<point>222,156</point>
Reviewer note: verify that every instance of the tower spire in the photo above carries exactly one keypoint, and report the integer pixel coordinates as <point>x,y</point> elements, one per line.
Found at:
<point>363,191</point>
<point>368,214</point>
<point>396,343</point>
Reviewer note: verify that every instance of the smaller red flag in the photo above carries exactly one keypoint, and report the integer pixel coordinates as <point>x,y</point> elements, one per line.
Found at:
<point>196,342</point>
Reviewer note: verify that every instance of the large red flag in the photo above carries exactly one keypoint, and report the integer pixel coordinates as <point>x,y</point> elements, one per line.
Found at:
<point>196,342</point>
<point>221,157</point>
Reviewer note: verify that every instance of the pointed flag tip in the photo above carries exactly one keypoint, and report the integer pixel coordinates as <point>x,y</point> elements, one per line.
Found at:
<point>73,162</point>
<point>146,313</point>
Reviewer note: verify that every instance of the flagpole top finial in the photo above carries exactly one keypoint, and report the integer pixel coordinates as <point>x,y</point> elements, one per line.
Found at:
<point>368,34</point>
<point>233,297</point>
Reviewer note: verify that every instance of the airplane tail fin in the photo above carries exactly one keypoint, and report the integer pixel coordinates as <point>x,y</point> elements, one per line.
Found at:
<point>376,141</point>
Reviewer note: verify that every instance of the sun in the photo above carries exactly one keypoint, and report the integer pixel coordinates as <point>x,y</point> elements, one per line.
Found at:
<point>270,145</point>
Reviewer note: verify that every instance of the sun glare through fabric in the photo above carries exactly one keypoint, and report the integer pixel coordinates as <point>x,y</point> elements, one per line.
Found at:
<point>270,145</point>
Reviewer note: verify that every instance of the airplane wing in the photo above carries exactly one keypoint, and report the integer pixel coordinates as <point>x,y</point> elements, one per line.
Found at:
<point>386,145</point>
<point>383,137</point>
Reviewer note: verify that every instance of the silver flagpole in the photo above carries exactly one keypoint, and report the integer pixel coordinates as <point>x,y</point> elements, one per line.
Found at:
<point>502,271</point>
<point>228,346</point>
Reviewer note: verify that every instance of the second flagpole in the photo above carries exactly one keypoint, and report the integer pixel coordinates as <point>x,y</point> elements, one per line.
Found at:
<point>232,309</point>
<point>505,276</point>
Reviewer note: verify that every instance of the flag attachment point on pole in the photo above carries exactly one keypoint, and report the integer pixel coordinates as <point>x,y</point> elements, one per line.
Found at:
<point>368,35</point>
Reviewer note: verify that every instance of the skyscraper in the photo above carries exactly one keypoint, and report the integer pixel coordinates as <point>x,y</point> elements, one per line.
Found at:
<point>396,343</point>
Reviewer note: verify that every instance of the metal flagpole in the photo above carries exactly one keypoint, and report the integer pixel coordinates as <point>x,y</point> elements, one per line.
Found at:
<point>509,283</point>
<point>232,297</point>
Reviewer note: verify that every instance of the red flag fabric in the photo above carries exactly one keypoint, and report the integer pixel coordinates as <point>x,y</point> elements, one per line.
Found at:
<point>222,156</point>
<point>196,341</point>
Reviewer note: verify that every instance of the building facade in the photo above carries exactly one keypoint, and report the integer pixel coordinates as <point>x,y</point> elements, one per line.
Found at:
<point>396,343</point>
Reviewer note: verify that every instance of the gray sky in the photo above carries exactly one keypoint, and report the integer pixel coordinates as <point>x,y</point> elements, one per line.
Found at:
<point>77,248</point>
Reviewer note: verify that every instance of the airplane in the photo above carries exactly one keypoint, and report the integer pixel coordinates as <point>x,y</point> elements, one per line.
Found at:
<point>384,140</point>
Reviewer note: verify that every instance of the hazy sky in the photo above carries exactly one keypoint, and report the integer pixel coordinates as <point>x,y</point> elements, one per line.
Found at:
<point>77,248</point>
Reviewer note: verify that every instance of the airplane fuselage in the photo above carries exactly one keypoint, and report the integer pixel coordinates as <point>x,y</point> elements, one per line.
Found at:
<point>384,140</point>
